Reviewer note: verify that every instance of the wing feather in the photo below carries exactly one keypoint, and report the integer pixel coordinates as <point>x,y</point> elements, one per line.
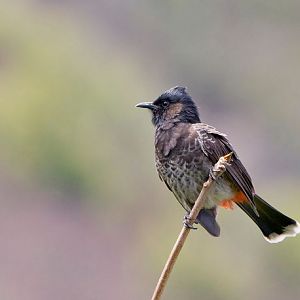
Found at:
<point>214,144</point>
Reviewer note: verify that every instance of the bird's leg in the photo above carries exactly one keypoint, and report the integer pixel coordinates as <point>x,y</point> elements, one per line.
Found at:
<point>220,167</point>
<point>186,222</point>
<point>212,175</point>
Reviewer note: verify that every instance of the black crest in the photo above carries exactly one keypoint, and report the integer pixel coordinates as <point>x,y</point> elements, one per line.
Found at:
<point>189,112</point>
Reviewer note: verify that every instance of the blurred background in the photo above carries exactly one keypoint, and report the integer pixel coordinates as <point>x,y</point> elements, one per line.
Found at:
<point>83,214</point>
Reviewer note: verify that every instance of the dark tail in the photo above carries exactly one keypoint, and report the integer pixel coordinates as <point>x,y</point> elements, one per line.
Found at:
<point>274,225</point>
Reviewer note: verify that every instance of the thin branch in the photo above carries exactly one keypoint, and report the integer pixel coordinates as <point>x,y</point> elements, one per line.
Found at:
<point>218,169</point>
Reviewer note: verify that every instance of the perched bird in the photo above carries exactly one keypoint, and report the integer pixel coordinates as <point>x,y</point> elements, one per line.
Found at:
<point>185,151</point>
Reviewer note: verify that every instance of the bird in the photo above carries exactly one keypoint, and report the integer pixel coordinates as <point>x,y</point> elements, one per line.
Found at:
<point>186,149</point>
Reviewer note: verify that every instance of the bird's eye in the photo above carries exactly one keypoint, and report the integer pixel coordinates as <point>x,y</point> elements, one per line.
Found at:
<point>165,104</point>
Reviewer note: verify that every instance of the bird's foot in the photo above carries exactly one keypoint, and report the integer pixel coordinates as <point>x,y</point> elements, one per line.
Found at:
<point>187,222</point>
<point>220,167</point>
<point>212,174</point>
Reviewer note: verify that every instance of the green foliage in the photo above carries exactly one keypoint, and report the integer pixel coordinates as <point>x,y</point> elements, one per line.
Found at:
<point>65,111</point>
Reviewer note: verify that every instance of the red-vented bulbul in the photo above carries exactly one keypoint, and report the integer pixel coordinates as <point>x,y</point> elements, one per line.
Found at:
<point>185,151</point>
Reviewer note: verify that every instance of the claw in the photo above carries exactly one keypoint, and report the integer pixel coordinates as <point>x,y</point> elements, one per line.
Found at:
<point>186,222</point>
<point>212,175</point>
<point>220,166</point>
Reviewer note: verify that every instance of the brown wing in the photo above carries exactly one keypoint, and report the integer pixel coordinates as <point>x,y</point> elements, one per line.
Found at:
<point>214,144</point>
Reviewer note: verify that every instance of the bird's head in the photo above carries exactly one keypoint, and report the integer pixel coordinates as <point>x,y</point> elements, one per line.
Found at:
<point>174,105</point>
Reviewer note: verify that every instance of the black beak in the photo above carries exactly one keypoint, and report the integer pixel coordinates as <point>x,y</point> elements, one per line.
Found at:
<point>148,105</point>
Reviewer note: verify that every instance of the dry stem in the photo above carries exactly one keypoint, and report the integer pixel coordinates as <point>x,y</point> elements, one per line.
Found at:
<point>218,169</point>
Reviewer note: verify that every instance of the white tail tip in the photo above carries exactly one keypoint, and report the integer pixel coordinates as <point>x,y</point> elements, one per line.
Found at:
<point>289,231</point>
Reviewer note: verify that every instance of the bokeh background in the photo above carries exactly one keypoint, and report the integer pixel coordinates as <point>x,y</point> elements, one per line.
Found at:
<point>83,214</point>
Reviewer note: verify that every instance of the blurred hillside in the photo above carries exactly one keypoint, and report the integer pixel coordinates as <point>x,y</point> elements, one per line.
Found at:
<point>77,158</point>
